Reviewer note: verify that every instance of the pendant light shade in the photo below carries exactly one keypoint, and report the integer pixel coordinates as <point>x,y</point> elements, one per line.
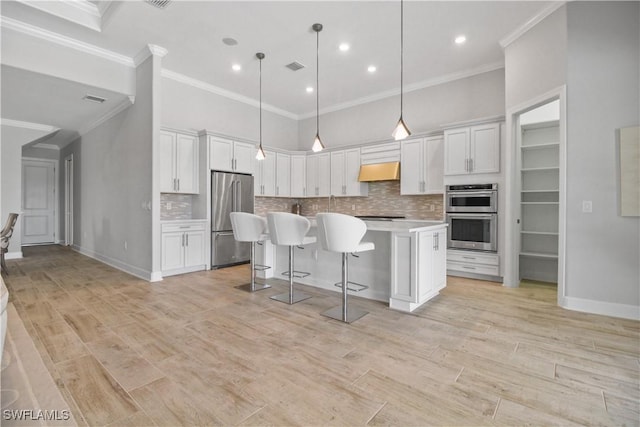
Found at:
<point>260,154</point>
<point>401,131</point>
<point>317,142</point>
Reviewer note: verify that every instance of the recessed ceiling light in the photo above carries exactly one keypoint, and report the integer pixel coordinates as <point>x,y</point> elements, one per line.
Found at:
<point>236,67</point>
<point>460,39</point>
<point>229,41</point>
<point>309,89</point>
<point>344,47</point>
<point>371,68</point>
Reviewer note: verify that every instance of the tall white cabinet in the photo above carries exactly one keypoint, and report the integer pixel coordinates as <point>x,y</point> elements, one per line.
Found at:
<point>422,170</point>
<point>539,201</point>
<point>178,162</point>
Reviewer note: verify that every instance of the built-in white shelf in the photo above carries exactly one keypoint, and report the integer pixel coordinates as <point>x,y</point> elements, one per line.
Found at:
<point>539,255</point>
<point>541,233</point>
<point>540,203</point>
<point>541,146</point>
<point>540,191</point>
<point>547,168</point>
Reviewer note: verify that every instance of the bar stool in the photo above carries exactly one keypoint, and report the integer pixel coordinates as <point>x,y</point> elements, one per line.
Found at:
<point>248,227</point>
<point>287,229</point>
<point>343,233</point>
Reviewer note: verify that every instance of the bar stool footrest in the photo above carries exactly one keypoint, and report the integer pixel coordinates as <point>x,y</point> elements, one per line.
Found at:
<point>360,288</point>
<point>297,274</point>
<point>260,267</point>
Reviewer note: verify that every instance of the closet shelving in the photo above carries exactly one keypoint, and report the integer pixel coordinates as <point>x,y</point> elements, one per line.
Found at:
<point>539,201</point>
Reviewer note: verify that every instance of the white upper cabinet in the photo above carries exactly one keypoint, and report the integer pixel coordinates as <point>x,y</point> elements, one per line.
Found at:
<point>265,176</point>
<point>345,167</point>
<point>473,149</point>
<point>231,156</point>
<point>283,175</point>
<point>318,175</point>
<point>422,169</point>
<point>298,175</point>
<point>178,162</point>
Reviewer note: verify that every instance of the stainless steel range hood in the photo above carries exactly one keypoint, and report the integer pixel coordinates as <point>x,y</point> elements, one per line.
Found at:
<point>380,172</point>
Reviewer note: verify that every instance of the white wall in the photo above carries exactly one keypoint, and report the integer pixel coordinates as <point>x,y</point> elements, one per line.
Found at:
<point>424,110</point>
<point>190,108</point>
<point>113,184</point>
<point>41,153</point>
<point>603,85</point>
<point>536,62</point>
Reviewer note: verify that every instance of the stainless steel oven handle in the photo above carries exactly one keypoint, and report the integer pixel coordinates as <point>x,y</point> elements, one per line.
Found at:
<point>472,215</point>
<point>473,193</point>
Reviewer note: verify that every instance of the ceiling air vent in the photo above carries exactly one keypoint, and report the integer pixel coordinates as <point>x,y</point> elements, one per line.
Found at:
<point>160,4</point>
<point>295,66</point>
<point>94,98</point>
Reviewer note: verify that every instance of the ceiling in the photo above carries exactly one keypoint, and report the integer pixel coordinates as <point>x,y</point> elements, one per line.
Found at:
<point>192,32</point>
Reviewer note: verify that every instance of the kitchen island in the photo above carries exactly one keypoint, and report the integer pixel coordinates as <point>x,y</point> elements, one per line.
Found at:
<point>407,267</point>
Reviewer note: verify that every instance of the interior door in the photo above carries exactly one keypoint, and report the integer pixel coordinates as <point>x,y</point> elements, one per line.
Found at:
<point>38,202</point>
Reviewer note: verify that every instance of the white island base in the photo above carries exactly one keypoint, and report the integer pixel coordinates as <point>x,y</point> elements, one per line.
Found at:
<point>407,267</point>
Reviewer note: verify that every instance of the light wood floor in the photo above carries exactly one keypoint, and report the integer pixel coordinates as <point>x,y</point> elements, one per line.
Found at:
<point>193,350</point>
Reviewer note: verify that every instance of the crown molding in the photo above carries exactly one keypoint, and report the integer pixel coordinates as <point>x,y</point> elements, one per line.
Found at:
<point>148,51</point>
<point>80,12</point>
<point>181,78</point>
<point>126,103</point>
<point>47,146</point>
<point>535,20</point>
<point>408,88</point>
<point>29,125</point>
<point>59,39</point>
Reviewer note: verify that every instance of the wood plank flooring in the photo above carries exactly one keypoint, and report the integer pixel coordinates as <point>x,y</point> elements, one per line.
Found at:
<point>193,350</point>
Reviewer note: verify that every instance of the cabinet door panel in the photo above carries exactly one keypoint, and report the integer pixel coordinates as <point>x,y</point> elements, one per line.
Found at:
<point>434,168</point>
<point>244,155</point>
<point>269,174</point>
<point>351,172</point>
<point>337,173</point>
<point>283,175</point>
<point>220,154</point>
<point>298,176</point>
<point>324,175</point>
<point>411,171</point>
<point>172,251</point>
<point>187,163</point>
<point>456,151</point>
<point>312,176</point>
<point>485,148</point>
<point>167,162</point>
<point>194,248</point>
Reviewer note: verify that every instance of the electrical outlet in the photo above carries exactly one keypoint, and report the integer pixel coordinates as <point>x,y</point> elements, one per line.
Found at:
<point>353,207</point>
<point>431,208</point>
<point>126,246</point>
<point>587,206</point>
<point>169,206</point>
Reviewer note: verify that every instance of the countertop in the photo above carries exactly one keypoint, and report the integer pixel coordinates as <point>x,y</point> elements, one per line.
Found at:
<point>397,225</point>
<point>175,221</point>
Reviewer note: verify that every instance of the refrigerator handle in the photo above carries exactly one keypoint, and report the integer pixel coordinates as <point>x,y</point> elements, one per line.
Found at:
<point>239,193</point>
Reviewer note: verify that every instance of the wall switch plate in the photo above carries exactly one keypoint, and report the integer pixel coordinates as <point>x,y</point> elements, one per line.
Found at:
<point>587,206</point>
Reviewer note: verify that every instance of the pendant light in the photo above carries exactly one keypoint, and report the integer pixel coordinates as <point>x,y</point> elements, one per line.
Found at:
<point>317,142</point>
<point>260,154</point>
<point>401,131</point>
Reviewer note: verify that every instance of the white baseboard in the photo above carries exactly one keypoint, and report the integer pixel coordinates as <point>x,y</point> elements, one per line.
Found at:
<point>612,309</point>
<point>127,268</point>
<point>156,276</point>
<point>13,255</point>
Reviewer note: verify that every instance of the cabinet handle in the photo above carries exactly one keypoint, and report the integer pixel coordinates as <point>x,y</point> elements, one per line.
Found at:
<point>183,240</point>
<point>469,257</point>
<point>466,165</point>
<point>304,191</point>
<point>277,190</point>
<point>187,239</point>
<point>317,191</point>
<point>470,165</point>
<point>468,267</point>
<point>178,179</point>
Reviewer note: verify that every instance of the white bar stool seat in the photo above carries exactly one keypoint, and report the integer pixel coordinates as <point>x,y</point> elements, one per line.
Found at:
<point>248,227</point>
<point>343,233</point>
<point>287,229</point>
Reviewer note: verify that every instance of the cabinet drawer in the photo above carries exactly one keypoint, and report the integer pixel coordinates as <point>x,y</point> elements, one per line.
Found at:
<point>466,257</point>
<point>170,228</point>
<point>490,270</point>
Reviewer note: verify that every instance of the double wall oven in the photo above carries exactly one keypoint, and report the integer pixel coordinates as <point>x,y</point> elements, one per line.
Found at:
<point>472,214</point>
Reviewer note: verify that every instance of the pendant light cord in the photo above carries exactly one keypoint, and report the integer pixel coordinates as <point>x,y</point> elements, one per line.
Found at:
<point>261,104</point>
<point>317,82</point>
<point>401,53</point>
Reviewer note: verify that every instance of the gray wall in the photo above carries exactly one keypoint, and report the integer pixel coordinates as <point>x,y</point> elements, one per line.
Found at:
<point>603,85</point>
<point>189,108</point>
<point>425,110</point>
<point>536,62</point>
<point>40,153</point>
<point>112,181</point>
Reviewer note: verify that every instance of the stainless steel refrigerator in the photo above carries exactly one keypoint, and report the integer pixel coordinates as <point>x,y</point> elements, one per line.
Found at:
<point>230,192</point>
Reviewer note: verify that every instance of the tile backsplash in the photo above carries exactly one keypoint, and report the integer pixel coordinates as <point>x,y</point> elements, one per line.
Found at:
<point>176,206</point>
<point>384,199</point>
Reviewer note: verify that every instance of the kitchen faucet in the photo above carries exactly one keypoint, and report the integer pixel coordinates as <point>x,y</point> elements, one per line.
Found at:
<point>329,206</point>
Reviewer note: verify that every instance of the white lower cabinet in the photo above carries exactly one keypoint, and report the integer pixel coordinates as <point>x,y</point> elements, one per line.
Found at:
<point>473,263</point>
<point>183,247</point>
<point>418,267</point>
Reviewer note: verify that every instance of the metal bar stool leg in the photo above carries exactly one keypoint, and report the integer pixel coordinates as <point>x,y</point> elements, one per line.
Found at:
<point>253,286</point>
<point>290,297</point>
<point>344,314</point>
